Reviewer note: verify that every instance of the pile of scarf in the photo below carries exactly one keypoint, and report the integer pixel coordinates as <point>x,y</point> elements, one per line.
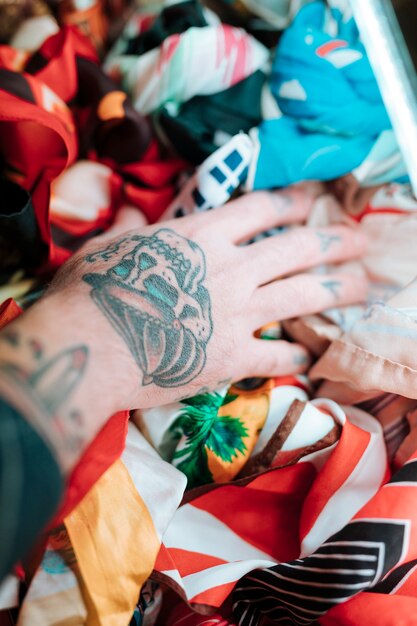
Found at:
<point>282,500</point>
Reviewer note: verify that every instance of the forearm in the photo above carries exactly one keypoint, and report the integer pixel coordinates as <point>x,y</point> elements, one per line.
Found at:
<point>60,369</point>
<point>60,380</point>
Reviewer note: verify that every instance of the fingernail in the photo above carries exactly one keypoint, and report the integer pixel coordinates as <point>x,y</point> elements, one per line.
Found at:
<point>302,360</point>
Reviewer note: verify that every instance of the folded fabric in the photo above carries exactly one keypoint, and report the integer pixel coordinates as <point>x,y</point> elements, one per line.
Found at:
<point>333,118</point>
<point>9,310</point>
<point>350,194</point>
<point>265,19</point>
<point>300,432</point>
<point>102,452</point>
<point>54,596</point>
<point>183,615</point>
<point>277,13</point>
<point>30,109</point>
<point>355,559</point>
<point>383,164</point>
<point>94,567</point>
<point>285,153</point>
<point>172,73</point>
<point>84,200</point>
<point>88,17</point>
<point>101,125</point>
<point>222,532</point>
<point>199,126</point>
<point>215,180</point>
<point>33,32</point>
<point>204,123</point>
<point>383,377</point>
<point>21,245</point>
<point>9,596</point>
<point>82,193</point>
<point>140,37</point>
<point>384,609</point>
<point>149,605</point>
<point>382,345</point>
<point>210,437</point>
<point>12,15</point>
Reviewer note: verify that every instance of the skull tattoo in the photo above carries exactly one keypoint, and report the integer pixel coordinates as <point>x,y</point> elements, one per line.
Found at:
<point>155,298</point>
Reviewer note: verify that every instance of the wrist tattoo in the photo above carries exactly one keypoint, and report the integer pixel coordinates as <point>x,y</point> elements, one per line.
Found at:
<point>45,388</point>
<point>155,298</point>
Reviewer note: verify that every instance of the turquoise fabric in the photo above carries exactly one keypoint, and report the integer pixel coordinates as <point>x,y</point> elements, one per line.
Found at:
<point>333,114</point>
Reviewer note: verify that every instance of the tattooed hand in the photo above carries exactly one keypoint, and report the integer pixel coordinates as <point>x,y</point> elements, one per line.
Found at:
<point>182,301</point>
<point>144,316</point>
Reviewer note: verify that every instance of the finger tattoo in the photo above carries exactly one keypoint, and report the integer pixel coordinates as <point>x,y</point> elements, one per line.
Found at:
<point>326,240</point>
<point>333,286</point>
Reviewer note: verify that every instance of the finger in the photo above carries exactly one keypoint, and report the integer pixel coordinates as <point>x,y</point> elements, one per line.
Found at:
<point>277,358</point>
<point>256,212</point>
<point>302,248</point>
<point>314,188</point>
<point>305,294</point>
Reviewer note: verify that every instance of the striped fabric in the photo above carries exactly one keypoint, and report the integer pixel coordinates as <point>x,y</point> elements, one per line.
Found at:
<point>224,532</point>
<point>96,563</point>
<point>381,537</point>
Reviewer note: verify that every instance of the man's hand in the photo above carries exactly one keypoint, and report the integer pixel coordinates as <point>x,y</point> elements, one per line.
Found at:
<point>145,316</point>
<point>185,298</point>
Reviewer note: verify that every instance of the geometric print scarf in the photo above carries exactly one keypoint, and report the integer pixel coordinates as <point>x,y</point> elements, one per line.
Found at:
<point>375,551</point>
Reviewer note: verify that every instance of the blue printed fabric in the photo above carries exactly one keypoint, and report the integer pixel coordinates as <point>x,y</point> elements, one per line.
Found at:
<point>333,113</point>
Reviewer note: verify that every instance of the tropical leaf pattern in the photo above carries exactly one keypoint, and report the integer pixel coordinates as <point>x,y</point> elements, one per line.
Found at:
<point>199,428</point>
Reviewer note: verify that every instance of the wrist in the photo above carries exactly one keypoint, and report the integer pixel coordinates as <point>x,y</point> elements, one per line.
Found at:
<point>64,372</point>
<point>69,318</point>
